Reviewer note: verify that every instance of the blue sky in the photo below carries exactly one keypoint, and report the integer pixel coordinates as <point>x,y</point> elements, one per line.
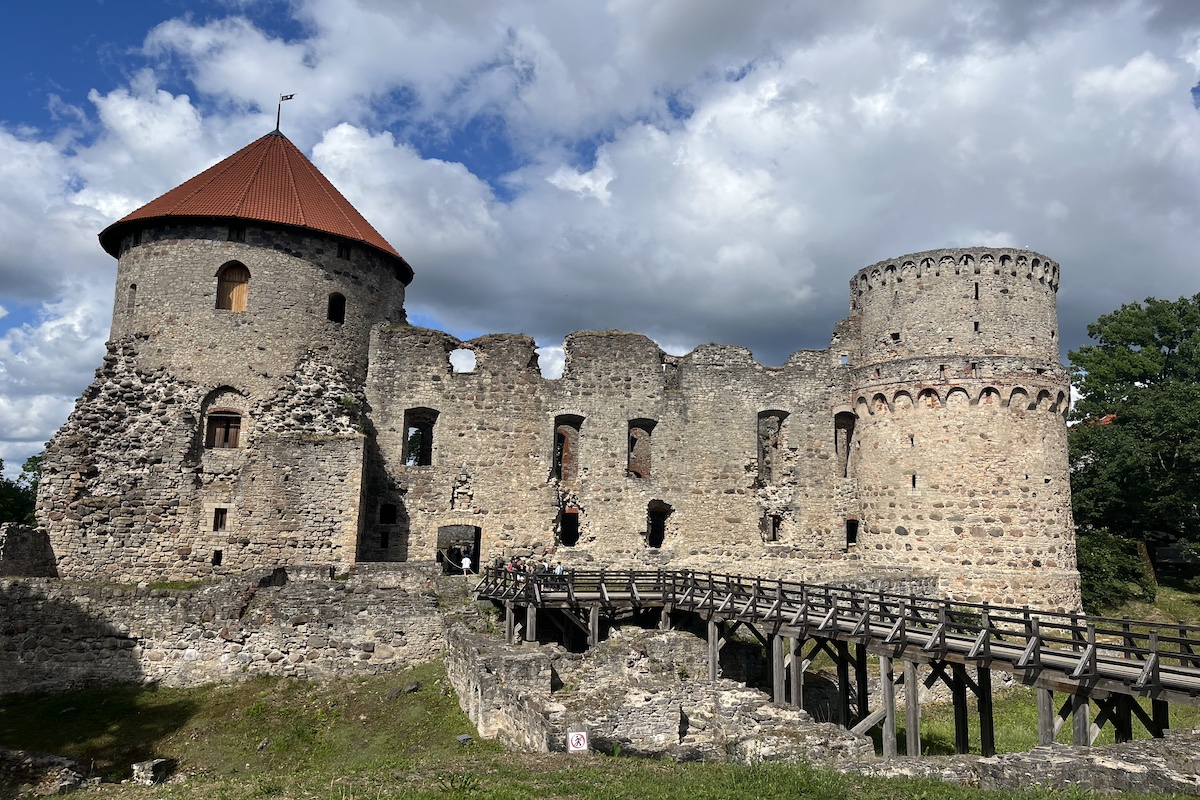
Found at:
<point>695,170</point>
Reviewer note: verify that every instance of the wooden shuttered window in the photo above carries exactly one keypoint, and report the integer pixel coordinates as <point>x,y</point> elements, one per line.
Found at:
<point>223,430</point>
<point>233,287</point>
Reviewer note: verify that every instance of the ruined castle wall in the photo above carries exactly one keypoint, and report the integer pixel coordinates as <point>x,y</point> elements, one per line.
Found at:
<point>167,290</point>
<point>129,493</point>
<point>57,636</point>
<point>493,448</point>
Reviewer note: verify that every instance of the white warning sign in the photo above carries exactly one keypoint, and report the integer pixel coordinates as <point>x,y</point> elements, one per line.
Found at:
<point>577,742</point>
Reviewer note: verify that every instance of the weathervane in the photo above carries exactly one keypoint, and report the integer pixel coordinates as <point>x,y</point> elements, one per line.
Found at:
<point>279,107</point>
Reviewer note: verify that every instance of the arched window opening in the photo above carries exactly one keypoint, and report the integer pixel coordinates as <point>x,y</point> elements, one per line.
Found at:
<point>843,434</point>
<point>565,458</point>
<point>223,429</point>
<point>638,461</point>
<point>418,436</point>
<point>568,526</point>
<point>131,299</point>
<point>770,439</point>
<point>657,513</point>
<point>233,287</point>
<point>336,311</point>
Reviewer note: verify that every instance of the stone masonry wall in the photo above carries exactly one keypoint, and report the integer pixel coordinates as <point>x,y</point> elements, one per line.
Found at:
<point>128,491</point>
<point>56,636</point>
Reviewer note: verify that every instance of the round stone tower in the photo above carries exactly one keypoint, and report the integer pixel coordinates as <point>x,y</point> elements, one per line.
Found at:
<point>960,452</point>
<point>226,429</point>
<point>235,275</point>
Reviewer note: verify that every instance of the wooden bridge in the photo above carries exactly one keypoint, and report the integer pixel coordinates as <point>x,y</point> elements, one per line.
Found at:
<point>1092,661</point>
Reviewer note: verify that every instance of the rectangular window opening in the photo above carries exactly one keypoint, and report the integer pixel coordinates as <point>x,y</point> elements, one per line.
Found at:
<point>977,327</point>
<point>343,250</point>
<point>217,557</point>
<point>237,233</point>
<point>220,519</point>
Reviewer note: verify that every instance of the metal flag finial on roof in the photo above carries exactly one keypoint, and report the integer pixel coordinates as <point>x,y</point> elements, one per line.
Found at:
<point>279,108</point>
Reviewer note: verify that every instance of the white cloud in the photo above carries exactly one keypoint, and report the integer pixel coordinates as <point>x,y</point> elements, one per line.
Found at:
<point>696,172</point>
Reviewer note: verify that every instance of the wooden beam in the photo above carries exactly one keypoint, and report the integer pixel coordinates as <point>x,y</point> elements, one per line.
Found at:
<point>1046,716</point>
<point>797,665</point>
<point>714,647</point>
<point>843,673</point>
<point>887,688</point>
<point>1081,723</point>
<point>912,702</point>
<point>778,674</point>
<point>594,625</point>
<point>958,691</point>
<point>531,623</point>
<point>510,623</point>
<point>983,694</point>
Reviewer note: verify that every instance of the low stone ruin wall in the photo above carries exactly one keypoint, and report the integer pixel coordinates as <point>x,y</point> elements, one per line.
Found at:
<point>56,636</point>
<point>639,693</point>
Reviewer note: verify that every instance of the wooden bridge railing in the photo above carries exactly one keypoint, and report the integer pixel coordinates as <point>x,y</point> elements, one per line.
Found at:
<point>1129,656</point>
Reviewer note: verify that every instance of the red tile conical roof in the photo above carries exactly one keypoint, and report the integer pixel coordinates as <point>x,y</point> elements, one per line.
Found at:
<point>268,180</point>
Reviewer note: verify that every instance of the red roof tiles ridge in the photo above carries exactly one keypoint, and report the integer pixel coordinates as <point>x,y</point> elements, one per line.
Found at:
<point>268,180</point>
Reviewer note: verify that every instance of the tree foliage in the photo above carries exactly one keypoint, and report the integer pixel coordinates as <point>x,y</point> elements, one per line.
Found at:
<point>18,497</point>
<point>1135,450</point>
<point>1111,571</point>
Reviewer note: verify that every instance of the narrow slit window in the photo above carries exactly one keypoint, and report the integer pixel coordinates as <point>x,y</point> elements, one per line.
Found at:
<point>336,310</point>
<point>237,233</point>
<point>976,290</point>
<point>418,443</point>
<point>977,327</point>
<point>131,299</point>
<point>217,557</point>
<point>343,250</point>
<point>638,458</point>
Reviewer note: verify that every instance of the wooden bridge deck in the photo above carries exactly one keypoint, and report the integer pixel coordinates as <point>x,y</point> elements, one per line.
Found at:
<point>1099,659</point>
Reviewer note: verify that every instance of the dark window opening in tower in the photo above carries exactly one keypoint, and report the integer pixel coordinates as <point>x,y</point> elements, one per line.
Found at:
<point>237,233</point>
<point>771,432</point>
<point>387,513</point>
<point>657,513</point>
<point>637,464</point>
<point>217,557</point>
<point>418,442</point>
<point>336,311</point>
<point>565,459</point>
<point>131,299</point>
<point>223,430</point>
<point>843,434</point>
<point>220,519</point>
<point>976,291</point>
<point>977,327</point>
<point>384,539</point>
<point>912,440</point>
<point>941,372</point>
<point>343,250</point>
<point>896,337</point>
<point>233,287</point>
<point>851,533</point>
<point>771,523</point>
<point>568,527</point>
<point>914,480</point>
<point>135,239</point>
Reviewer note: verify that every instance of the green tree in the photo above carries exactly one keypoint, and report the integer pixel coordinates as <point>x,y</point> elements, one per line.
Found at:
<point>17,497</point>
<point>1135,450</point>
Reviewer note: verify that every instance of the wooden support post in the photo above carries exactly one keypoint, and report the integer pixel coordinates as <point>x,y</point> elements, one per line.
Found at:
<point>714,648</point>
<point>594,625</point>
<point>510,622</point>
<point>987,734</point>
<point>664,621</point>
<point>912,702</point>
<point>778,673</point>
<point>843,676</point>
<point>1046,716</point>
<point>531,623</point>
<point>958,691</point>
<point>862,680</point>
<point>796,648</point>
<point>1081,721</point>
<point>887,687</point>
<point>1161,714</point>
<point>1123,718</point>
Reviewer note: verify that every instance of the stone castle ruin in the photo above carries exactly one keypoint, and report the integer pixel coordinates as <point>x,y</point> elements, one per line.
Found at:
<point>264,402</point>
